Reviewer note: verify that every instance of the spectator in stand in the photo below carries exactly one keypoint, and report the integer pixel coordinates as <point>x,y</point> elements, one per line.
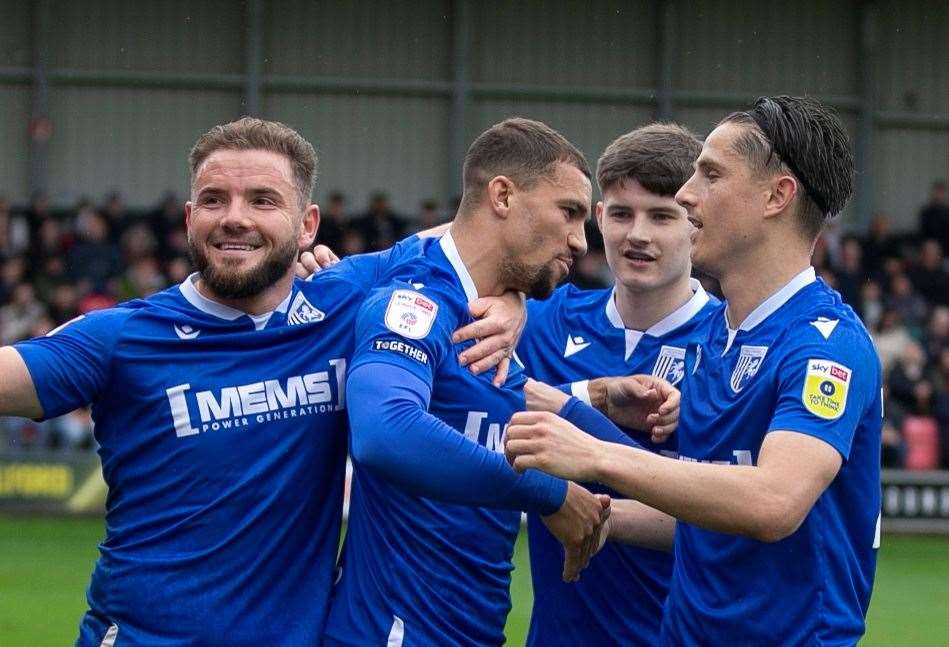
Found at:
<point>851,275</point>
<point>930,276</point>
<point>890,338</point>
<point>871,304</point>
<point>941,403</point>
<point>333,221</point>
<point>878,244</point>
<point>937,333</point>
<point>429,215</point>
<point>18,317</point>
<point>95,257</point>
<point>63,303</point>
<point>934,217</point>
<point>50,240</point>
<point>904,299</point>
<point>380,226</point>
<point>165,221</point>
<point>14,231</point>
<point>909,383</point>
<point>116,215</point>
<point>12,274</point>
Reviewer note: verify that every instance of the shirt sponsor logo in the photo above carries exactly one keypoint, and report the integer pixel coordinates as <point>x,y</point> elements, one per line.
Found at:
<point>749,361</point>
<point>302,311</point>
<point>574,345</point>
<point>493,439</point>
<point>825,388</point>
<point>258,402</point>
<point>670,366</point>
<point>402,348</point>
<point>410,314</point>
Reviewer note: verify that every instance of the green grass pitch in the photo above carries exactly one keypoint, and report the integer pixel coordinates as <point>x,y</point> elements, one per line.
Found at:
<point>45,565</point>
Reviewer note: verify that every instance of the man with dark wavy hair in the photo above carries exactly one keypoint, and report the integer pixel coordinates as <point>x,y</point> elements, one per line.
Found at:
<point>777,488</point>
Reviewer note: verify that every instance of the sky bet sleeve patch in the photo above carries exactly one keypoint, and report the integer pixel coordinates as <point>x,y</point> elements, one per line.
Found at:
<point>400,347</point>
<point>825,388</point>
<point>410,314</point>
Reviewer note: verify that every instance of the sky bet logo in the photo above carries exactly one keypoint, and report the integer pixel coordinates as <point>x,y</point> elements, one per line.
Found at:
<point>257,402</point>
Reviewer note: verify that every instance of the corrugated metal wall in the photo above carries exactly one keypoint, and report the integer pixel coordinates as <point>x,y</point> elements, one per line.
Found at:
<point>371,83</point>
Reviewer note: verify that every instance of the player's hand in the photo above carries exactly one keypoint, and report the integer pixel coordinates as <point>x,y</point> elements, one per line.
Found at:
<point>500,322</point>
<point>312,262</point>
<point>543,397</point>
<point>545,441</point>
<point>642,402</point>
<point>579,525</point>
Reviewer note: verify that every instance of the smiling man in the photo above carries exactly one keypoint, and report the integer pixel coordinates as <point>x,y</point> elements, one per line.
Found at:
<point>219,409</point>
<point>641,325</point>
<point>777,490</point>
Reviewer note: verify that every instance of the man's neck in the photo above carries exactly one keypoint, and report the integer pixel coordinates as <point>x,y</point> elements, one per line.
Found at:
<point>750,281</point>
<point>258,304</point>
<point>479,253</point>
<point>641,310</point>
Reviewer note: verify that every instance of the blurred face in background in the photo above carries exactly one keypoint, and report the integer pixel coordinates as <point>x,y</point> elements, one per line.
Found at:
<point>245,222</point>
<point>646,237</point>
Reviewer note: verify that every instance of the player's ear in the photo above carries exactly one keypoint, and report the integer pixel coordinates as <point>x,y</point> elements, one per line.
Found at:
<point>780,195</point>
<point>308,227</point>
<point>188,206</point>
<point>598,211</point>
<point>500,189</point>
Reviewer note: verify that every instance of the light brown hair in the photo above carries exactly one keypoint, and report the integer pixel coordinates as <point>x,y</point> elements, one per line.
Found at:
<point>250,133</point>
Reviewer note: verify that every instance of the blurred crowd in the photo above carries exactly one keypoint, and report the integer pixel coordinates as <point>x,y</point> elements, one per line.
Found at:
<point>58,264</point>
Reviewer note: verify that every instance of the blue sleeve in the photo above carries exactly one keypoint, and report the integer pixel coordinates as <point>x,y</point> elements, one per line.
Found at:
<point>826,385</point>
<point>367,270</point>
<point>595,423</point>
<point>405,327</point>
<point>70,365</point>
<point>394,436</point>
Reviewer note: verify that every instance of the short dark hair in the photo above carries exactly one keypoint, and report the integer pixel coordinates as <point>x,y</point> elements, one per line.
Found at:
<point>658,156</point>
<point>522,149</point>
<point>806,139</point>
<point>250,133</point>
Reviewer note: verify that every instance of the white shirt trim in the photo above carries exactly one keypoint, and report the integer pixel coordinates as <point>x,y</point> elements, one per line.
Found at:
<point>675,319</point>
<point>770,305</point>
<point>451,252</point>
<point>221,311</point>
<point>581,390</point>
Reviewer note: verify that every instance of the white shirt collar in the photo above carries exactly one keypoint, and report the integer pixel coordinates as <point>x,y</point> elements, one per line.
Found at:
<point>451,252</point>
<point>667,324</point>
<point>221,311</point>
<point>768,307</point>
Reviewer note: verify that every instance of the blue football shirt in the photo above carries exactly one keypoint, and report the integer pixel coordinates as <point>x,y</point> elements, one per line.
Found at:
<point>803,362</point>
<point>572,337</point>
<point>223,443</point>
<point>416,568</point>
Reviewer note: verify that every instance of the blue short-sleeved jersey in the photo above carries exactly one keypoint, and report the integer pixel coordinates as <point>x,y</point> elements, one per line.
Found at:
<point>223,442</point>
<point>802,362</point>
<point>574,336</point>
<point>417,571</point>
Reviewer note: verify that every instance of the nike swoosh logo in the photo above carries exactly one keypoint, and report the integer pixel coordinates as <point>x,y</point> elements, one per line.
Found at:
<point>187,332</point>
<point>574,345</point>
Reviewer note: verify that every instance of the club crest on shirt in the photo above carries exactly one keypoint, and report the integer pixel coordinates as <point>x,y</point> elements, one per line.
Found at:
<point>825,388</point>
<point>749,361</point>
<point>410,314</point>
<point>302,311</point>
<point>670,365</point>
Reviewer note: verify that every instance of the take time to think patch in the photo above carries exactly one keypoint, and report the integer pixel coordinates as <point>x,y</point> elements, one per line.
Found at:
<point>825,388</point>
